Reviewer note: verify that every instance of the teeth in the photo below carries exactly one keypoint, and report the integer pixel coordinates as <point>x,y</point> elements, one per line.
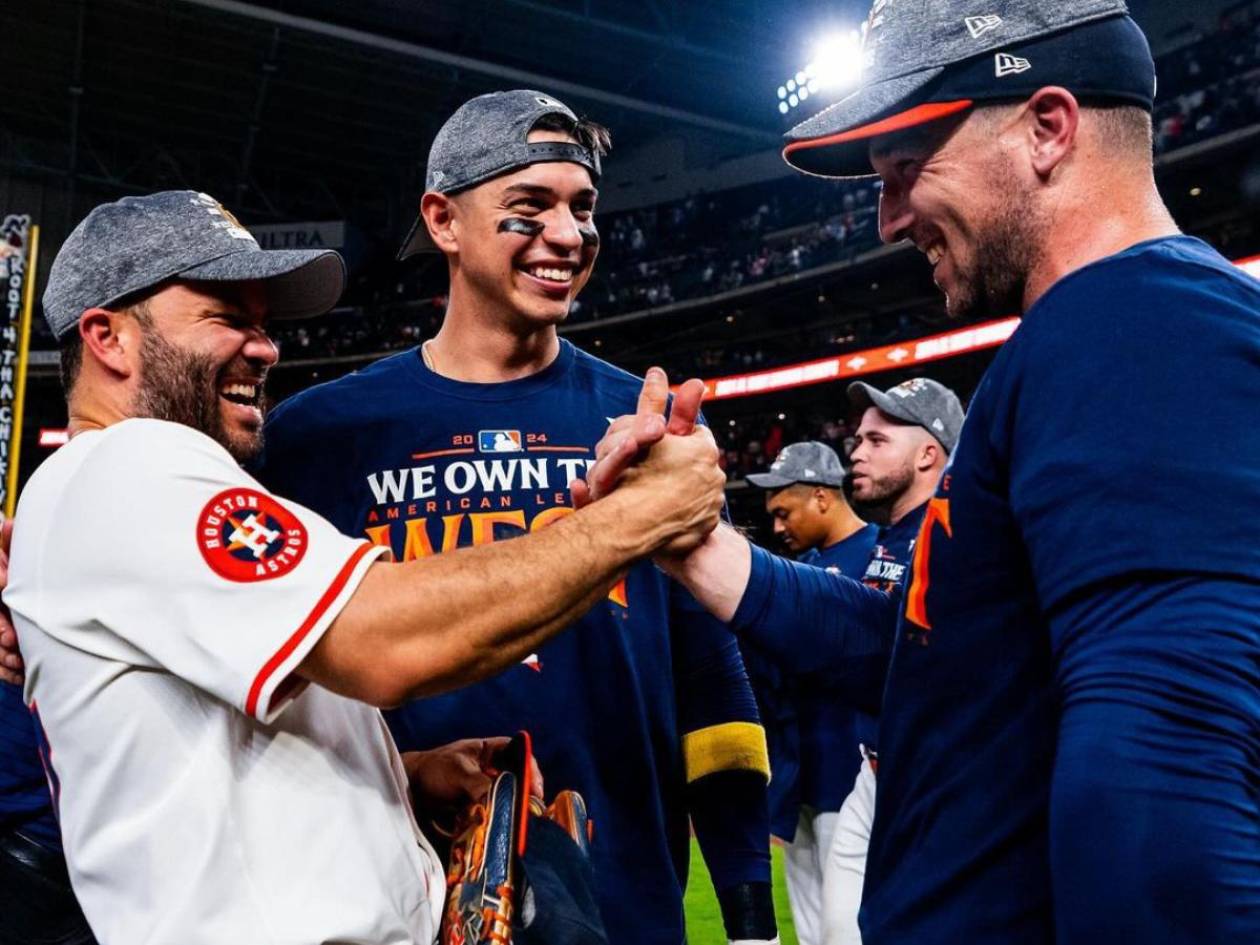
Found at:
<point>934,253</point>
<point>248,391</point>
<point>555,275</point>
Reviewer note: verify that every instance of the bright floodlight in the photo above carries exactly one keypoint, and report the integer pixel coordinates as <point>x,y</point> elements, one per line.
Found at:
<point>837,61</point>
<point>782,92</point>
<point>793,101</point>
<point>783,108</point>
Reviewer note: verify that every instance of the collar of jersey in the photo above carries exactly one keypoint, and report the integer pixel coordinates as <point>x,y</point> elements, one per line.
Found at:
<point>499,390</point>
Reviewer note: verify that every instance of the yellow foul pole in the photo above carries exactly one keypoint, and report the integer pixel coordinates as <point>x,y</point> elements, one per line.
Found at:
<point>19,390</point>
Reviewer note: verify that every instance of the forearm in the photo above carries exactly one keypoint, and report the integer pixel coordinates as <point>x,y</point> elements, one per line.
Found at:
<point>441,622</point>
<point>716,574</point>
<point>807,619</point>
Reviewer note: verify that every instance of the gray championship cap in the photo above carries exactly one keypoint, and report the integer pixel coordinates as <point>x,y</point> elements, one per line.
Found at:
<point>488,137</point>
<point>137,243</point>
<point>924,60</point>
<point>920,401</point>
<point>811,463</point>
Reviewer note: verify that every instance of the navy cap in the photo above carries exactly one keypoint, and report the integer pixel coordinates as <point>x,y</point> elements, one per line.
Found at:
<point>928,59</point>
<point>810,462</point>
<point>137,243</point>
<point>488,137</point>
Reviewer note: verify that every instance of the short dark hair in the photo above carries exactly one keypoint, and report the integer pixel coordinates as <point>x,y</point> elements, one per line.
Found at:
<point>71,346</point>
<point>588,134</point>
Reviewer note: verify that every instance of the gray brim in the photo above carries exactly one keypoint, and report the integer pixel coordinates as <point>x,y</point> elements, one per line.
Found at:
<point>862,395</point>
<point>770,481</point>
<point>300,283</point>
<point>836,141</point>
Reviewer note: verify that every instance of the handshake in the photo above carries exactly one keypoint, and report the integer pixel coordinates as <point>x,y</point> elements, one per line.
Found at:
<point>663,470</point>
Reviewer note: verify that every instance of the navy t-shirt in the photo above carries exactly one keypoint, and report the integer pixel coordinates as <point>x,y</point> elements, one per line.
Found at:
<point>1071,733</point>
<point>426,464</point>
<point>25,802</point>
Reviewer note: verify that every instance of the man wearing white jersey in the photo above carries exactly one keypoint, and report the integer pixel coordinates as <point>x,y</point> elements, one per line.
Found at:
<point>174,615</point>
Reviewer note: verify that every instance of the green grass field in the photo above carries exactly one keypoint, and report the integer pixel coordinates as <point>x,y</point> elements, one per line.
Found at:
<point>704,921</point>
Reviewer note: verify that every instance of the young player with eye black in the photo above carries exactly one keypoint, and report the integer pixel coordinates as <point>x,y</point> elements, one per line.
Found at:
<point>644,706</point>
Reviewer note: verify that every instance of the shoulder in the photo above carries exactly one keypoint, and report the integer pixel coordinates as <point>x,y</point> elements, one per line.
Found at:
<point>606,379</point>
<point>344,400</point>
<point>144,449</point>
<point>1174,279</point>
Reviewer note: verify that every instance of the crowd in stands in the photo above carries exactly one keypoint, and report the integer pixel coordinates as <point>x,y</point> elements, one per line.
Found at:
<point>712,243</point>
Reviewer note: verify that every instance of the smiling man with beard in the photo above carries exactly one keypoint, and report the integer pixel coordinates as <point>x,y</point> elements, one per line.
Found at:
<point>205,659</point>
<point>1071,722</point>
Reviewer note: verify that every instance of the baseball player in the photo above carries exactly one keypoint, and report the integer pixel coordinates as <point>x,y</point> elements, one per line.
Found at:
<point>1071,721</point>
<point>203,656</point>
<point>813,738</point>
<point>645,707</point>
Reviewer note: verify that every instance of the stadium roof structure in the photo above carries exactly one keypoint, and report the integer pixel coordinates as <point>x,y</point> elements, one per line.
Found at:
<point>302,109</point>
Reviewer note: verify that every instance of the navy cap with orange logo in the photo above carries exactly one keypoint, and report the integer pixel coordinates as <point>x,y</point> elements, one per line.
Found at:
<point>926,60</point>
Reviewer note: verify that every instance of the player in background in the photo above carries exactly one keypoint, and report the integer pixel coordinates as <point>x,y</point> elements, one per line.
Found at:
<point>203,679</point>
<point>645,707</point>
<point>1071,723</point>
<point>813,738</point>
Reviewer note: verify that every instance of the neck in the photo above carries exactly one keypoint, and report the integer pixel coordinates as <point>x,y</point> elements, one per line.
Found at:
<point>94,412</point>
<point>480,346</point>
<point>844,524</point>
<point>912,498</point>
<point>1107,215</point>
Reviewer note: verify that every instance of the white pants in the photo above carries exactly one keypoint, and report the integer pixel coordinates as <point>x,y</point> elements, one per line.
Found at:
<point>803,861</point>
<point>844,867</point>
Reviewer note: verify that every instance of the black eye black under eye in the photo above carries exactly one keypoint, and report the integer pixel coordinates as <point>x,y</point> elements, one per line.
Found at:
<point>521,226</point>
<point>590,236</point>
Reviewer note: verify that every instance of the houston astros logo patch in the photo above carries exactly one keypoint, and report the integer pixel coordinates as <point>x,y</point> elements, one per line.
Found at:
<point>245,535</point>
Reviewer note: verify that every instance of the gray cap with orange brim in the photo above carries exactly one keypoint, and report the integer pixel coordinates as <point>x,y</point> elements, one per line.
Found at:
<point>926,59</point>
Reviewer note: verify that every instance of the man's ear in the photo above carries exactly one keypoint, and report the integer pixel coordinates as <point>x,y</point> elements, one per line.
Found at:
<point>823,498</point>
<point>112,339</point>
<point>1053,116</point>
<point>929,452</point>
<point>439,213</point>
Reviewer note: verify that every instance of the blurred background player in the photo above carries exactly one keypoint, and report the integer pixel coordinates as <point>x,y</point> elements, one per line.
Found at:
<point>813,738</point>
<point>645,707</point>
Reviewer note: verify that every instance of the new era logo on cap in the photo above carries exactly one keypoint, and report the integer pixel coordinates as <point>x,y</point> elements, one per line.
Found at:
<point>977,26</point>
<point>1006,64</point>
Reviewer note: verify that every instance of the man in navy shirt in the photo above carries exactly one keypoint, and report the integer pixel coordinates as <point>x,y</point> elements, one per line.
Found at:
<point>644,706</point>
<point>1072,718</point>
<point>813,738</point>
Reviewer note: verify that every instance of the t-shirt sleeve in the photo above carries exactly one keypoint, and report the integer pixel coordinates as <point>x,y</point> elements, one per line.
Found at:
<point>178,560</point>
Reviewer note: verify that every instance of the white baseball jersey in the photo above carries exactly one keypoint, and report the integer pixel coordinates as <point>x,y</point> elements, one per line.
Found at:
<point>163,599</point>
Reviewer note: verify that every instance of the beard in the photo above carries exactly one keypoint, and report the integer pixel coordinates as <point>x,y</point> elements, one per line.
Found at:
<point>882,492</point>
<point>1004,255</point>
<point>182,387</point>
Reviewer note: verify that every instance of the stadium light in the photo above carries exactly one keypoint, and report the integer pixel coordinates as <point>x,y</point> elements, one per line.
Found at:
<point>837,61</point>
<point>834,67</point>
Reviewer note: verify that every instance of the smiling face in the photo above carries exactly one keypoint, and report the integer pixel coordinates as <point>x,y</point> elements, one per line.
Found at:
<point>525,243</point>
<point>953,187</point>
<point>204,358</point>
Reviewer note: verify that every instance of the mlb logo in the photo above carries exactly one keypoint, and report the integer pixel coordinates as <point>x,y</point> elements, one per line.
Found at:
<point>499,441</point>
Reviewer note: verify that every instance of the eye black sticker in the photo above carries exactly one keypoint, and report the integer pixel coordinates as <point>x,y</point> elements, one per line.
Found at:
<point>590,236</point>
<point>520,226</point>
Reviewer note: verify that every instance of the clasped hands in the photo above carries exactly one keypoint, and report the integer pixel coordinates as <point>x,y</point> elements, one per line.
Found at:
<point>672,454</point>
